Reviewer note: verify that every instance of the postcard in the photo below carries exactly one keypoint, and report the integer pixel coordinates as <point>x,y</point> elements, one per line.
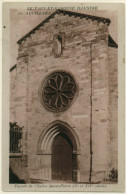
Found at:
<point>63,96</point>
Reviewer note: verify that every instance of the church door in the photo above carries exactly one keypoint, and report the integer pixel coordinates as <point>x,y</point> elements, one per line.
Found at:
<point>62,163</point>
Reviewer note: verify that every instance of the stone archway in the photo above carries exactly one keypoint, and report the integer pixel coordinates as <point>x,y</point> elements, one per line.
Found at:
<point>44,148</point>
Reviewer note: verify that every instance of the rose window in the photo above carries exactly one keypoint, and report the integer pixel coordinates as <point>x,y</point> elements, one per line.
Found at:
<point>58,91</point>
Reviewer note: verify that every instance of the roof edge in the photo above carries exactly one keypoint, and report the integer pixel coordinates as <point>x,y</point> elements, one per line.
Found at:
<point>13,67</point>
<point>70,13</point>
<point>111,42</point>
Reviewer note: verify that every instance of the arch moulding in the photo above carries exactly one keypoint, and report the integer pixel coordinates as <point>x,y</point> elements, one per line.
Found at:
<point>44,148</point>
<point>51,131</point>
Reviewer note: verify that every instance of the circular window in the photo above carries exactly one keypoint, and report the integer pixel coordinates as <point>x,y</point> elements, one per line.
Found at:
<point>58,91</point>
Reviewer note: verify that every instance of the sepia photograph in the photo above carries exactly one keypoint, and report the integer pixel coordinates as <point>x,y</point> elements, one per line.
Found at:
<point>63,95</point>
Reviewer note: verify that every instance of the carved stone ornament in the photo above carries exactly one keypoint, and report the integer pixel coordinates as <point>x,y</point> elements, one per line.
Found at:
<point>58,91</point>
<point>57,46</point>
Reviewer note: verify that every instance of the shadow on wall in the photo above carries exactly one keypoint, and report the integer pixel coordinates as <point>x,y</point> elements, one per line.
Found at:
<point>13,178</point>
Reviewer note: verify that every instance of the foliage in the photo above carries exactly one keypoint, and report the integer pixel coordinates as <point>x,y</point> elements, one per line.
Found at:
<point>112,175</point>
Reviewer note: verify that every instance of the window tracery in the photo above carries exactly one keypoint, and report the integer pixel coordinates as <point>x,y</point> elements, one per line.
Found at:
<point>58,91</point>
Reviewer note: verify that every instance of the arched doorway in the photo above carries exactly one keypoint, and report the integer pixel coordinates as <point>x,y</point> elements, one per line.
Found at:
<point>50,147</point>
<point>62,162</point>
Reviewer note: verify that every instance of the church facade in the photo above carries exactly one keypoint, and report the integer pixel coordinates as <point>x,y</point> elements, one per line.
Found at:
<point>64,92</point>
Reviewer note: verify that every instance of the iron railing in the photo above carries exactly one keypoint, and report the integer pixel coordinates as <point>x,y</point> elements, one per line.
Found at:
<point>15,138</point>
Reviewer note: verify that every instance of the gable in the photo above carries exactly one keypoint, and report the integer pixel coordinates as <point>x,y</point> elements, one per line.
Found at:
<point>70,13</point>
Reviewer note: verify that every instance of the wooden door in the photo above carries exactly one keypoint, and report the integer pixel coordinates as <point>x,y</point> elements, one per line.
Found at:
<point>62,164</point>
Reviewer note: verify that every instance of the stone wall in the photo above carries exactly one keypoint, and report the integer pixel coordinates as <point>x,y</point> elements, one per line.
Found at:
<point>85,48</point>
<point>113,105</point>
<point>100,110</point>
<point>13,95</point>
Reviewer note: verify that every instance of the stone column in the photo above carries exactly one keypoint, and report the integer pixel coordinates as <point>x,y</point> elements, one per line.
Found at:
<point>76,169</point>
<point>46,173</point>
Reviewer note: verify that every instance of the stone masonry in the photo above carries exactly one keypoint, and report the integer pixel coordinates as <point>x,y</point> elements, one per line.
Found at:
<point>88,56</point>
